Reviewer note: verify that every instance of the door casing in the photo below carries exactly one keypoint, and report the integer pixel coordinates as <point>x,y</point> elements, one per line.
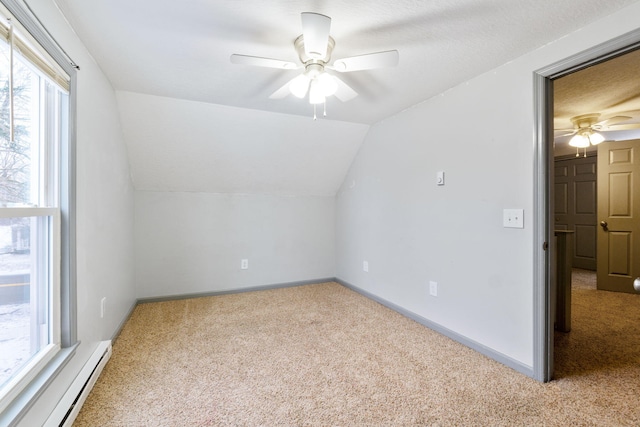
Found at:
<point>544,253</point>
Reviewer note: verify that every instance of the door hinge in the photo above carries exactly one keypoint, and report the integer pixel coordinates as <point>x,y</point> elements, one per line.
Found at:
<point>545,246</point>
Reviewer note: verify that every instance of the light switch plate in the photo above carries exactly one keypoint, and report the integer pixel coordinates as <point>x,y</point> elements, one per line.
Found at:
<point>440,178</point>
<point>513,218</point>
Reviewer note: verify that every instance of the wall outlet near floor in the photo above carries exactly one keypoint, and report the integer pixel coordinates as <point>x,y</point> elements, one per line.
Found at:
<point>365,266</point>
<point>244,264</point>
<point>103,306</point>
<point>433,288</point>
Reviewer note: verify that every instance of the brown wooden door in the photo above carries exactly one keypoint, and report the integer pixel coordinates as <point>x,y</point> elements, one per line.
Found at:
<point>619,213</point>
<point>576,206</point>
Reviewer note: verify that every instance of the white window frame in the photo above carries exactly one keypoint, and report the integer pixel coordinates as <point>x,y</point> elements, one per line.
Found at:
<point>44,368</point>
<point>29,371</point>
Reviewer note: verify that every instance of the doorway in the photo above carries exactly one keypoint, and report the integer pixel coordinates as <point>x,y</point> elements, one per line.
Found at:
<point>545,254</point>
<point>599,107</point>
<point>602,102</point>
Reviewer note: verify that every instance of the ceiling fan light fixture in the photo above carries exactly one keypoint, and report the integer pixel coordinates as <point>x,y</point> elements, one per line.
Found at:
<point>586,137</point>
<point>579,141</point>
<point>596,138</point>
<point>327,84</point>
<point>299,86</point>
<point>316,96</point>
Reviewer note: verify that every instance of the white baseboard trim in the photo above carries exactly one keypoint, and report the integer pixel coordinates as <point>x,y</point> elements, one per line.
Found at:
<point>69,406</point>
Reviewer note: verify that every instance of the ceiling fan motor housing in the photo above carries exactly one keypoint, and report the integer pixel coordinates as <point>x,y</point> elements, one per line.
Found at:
<point>585,120</point>
<point>313,70</point>
<point>305,59</point>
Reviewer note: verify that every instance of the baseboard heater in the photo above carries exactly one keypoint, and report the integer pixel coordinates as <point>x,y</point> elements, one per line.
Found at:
<point>69,406</point>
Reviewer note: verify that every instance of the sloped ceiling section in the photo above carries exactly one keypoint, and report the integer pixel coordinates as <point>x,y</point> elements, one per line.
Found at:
<point>179,145</point>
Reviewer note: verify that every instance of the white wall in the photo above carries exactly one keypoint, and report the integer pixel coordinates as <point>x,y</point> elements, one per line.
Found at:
<point>217,184</point>
<point>194,242</point>
<point>391,213</point>
<point>105,211</point>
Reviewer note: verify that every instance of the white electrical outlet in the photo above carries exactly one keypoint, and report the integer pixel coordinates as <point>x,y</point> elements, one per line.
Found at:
<point>103,306</point>
<point>440,178</point>
<point>365,266</point>
<point>244,264</point>
<point>433,288</point>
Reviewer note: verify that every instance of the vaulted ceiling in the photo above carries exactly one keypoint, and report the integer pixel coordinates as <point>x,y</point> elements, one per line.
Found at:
<point>181,50</point>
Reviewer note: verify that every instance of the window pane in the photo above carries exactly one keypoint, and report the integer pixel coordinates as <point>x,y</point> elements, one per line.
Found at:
<point>34,157</point>
<point>24,288</point>
<point>19,159</point>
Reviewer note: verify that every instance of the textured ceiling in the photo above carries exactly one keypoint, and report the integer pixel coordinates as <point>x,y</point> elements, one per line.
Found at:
<point>181,49</point>
<point>610,88</point>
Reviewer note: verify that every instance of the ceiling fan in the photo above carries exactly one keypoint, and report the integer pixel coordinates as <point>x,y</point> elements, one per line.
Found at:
<point>314,47</point>
<point>586,129</point>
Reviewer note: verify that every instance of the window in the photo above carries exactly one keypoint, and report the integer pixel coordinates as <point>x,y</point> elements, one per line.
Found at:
<point>34,215</point>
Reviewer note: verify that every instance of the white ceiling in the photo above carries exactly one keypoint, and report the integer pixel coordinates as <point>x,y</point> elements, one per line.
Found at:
<point>180,51</point>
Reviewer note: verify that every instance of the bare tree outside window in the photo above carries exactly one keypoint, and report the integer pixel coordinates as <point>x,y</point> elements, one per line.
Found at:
<point>17,166</point>
<point>15,156</point>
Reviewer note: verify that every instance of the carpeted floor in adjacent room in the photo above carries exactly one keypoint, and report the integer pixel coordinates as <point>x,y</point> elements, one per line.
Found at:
<point>321,355</point>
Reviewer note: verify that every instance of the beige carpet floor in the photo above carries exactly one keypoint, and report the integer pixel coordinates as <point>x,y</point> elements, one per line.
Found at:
<point>323,355</point>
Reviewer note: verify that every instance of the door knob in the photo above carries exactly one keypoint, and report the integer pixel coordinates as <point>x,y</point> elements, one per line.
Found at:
<point>604,225</point>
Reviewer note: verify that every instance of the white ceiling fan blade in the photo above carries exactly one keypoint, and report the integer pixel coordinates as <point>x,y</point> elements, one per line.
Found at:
<point>369,61</point>
<point>612,121</point>
<point>564,134</point>
<point>315,32</point>
<point>282,92</point>
<point>630,126</point>
<point>262,62</point>
<point>344,92</point>
<point>566,131</point>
